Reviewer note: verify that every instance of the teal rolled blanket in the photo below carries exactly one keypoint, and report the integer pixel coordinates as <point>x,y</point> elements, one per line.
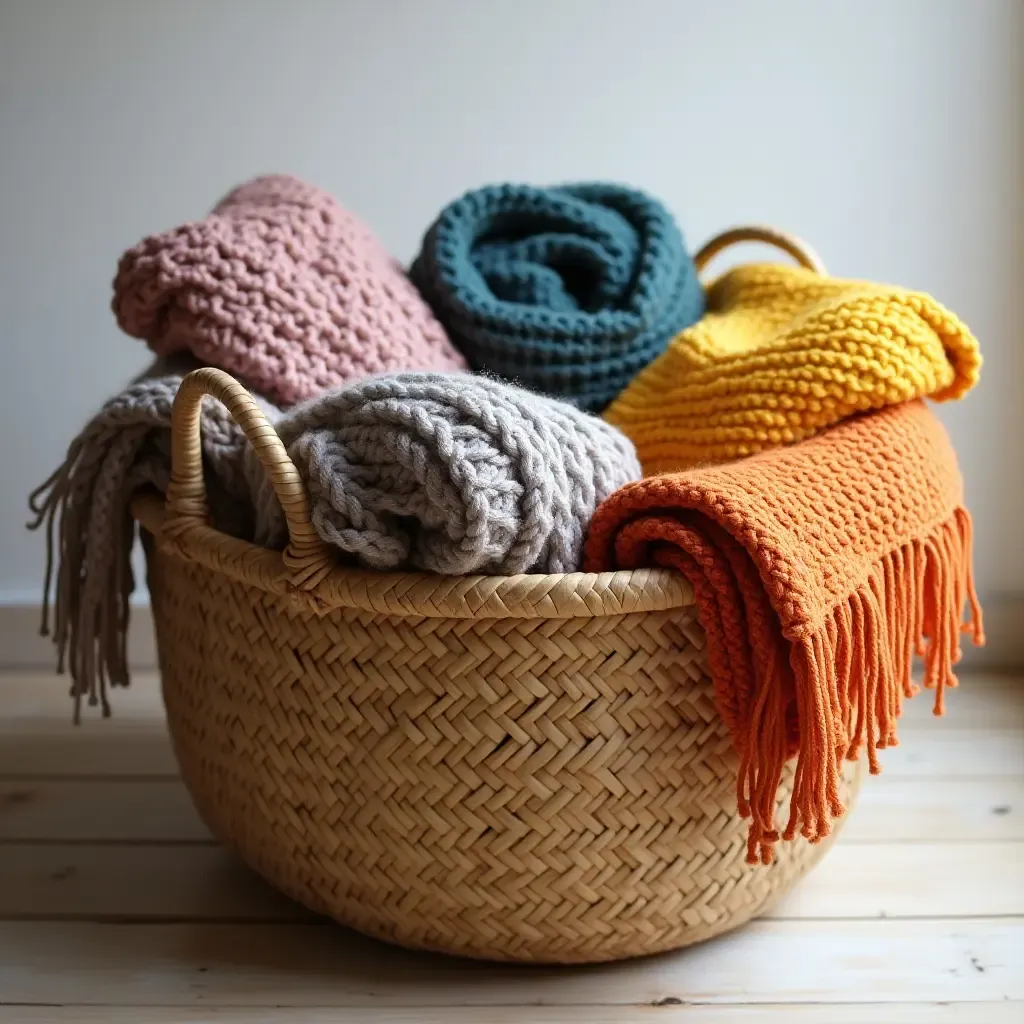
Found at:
<point>569,291</point>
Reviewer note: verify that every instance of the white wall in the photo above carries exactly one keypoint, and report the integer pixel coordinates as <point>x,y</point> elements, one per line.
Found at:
<point>889,133</point>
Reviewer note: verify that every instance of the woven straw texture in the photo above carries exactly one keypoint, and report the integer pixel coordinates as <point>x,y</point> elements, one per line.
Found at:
<point>513,768</point>
<point>529,788</point>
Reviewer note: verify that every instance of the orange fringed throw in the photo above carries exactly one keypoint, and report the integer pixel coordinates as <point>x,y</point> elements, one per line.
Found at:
<point>819,570</point>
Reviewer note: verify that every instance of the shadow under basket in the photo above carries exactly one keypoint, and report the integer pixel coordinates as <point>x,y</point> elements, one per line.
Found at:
<point>513,768</point>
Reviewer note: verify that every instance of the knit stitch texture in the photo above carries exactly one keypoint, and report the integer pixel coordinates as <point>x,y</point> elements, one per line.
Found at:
<point>283,288</point>
<point>444,472</point>
<point>782,354</point>
<point>450,473</point>
<point>569,291</point>
<point>84,509</point>
<point>819,570</point>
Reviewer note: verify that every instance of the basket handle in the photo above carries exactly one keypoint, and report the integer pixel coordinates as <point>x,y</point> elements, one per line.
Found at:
<point>803,253</point>
<point>307,556</point>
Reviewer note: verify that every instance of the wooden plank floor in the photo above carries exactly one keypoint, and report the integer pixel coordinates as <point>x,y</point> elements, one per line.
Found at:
<point>916,915</point>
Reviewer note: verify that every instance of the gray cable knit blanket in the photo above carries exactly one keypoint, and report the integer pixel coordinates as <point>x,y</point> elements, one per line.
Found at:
<point>448,473</point>
<point>451,473</point>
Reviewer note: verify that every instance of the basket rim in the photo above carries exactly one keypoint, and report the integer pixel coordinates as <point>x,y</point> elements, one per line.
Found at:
<point>554,595</point>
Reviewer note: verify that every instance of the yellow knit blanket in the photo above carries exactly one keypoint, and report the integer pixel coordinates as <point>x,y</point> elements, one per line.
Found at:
<point>782,354</point>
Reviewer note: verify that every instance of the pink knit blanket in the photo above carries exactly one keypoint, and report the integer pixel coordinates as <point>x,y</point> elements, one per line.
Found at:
<point>283,288</point>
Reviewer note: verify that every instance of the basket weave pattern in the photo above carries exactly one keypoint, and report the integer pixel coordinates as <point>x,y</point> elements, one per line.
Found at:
<point>515,768</point>
<point>524,788</point>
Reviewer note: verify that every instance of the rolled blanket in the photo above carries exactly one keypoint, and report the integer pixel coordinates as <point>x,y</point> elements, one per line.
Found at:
<point>782,354</point>
<point>450,473</point>
<point>84,508</point>
<point>819,570</point>
<point>569,291</point>
<point>283,288</point>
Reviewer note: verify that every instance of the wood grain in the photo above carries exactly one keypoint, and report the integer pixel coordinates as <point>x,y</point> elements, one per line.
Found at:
<point>204,882</point>
<point>777,1013</point>
<point>974,960</point>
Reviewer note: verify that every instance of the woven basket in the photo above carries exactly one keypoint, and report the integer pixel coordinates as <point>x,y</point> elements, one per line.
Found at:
<point>516,768</point>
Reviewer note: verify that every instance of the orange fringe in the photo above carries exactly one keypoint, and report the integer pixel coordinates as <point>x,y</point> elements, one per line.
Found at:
<point>850,679</point>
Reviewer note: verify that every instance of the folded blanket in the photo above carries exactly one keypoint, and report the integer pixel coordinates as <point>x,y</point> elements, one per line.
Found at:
<point>444,472</point>
<point>450,473</point>
<point>784,353</point>
<point>819,570</point>
<point>569,291</point>
<point>283,288</point>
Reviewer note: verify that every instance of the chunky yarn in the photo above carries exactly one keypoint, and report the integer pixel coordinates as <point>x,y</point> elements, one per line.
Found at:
<point>445,472</point>
<point>283,288</point>
<point>450,473</point>
<point>84,508</point>
<point>569,291</point>
<point>819,571</point>
<point>784,353</point>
